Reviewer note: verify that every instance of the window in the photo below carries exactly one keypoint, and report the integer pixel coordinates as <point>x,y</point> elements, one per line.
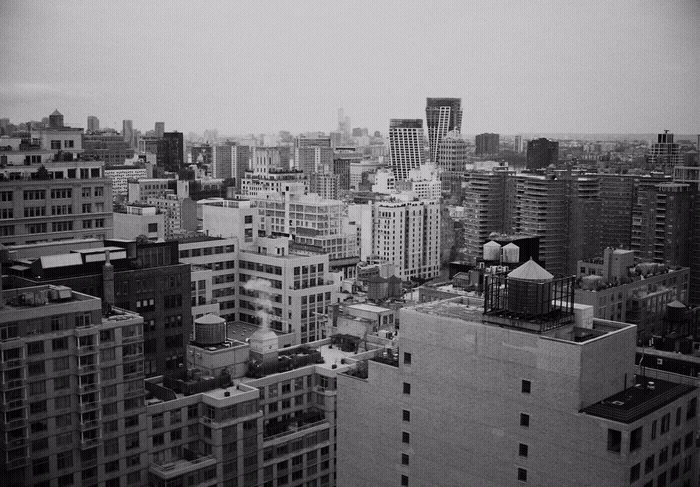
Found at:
<point>64,460</point>
<point>59,344</point>
<point>525,386</point>
<point>678,416</point>
<point>405,437</point>
<point>407,358</point>
<point>661,480</point>
<point>635,472</point>
<point>404,480</point>
<point>636,439</point>
<point>687,463</point>
<point>522,449</point>
<point>675,472</point>
<point>665,423</point>
<point>132,441</point>
<point>653,430</point>
<point>676,449</point>
<point>663,455</point>
<point>649,464</point>
<point>34,348</point>
<point>406,388</point>
<point>525,421</point>
<point>692,408</point>
<point>522,474</point>
<point>406,415</point>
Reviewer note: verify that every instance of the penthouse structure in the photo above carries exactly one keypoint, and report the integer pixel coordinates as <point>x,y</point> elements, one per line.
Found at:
<point>538,365</point>
<point>72,389</point>
<point>276,180</point>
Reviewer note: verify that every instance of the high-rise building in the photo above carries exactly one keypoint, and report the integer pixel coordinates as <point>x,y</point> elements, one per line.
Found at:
<point>452,158</point>
<point>665,154</point>
<point>72,390</point>
<point>311,154</point>
<point>542,153</point>
<point>442,115</point>
<point>160,129</point>
<point>108,147</point>
<point>171,152</point>
<point>518,144</point>
<point>93,124</point>
<point>486,144</point>
<point>406,143</point>
<point>128,132</point>
<point>617,198</point>
<point>479,394</point>
<point>231,160</point>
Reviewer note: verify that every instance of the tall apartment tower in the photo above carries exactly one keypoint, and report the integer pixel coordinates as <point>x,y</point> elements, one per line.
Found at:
<point>479,394</point>
<point>452,160</point>
<point>128,132</point>
<point>311,154</point>
<point>542,153</point>
<point>171,152</point>
<point>518,144</point>
<point>72,391</point>
<point>486,144</point>
<point>93,123</point>
<point>160,129</point>
<point>664,154</point>
<point>442,115</point>
<point>406,145</point>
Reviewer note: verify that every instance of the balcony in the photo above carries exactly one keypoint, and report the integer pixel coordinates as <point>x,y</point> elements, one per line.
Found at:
<point>16,443</point>
<point>89,425</point>
<point>16,423</point>
<point>86,443</point>
<point>310,419</point>
<point>10,405</point>
<point>131,338</point>
<point>86,407</point>
<point>11,364</point>
<point>85,388</point>
<point>137,392</point>
<point>17,463</point>
<point>132,358</point>
<point>181,466</point>
<point>87,368</point>
<point>87,349</point>
<point>11,384</point>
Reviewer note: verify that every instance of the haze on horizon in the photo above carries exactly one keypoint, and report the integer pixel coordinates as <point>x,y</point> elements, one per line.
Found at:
<point>591,66</point>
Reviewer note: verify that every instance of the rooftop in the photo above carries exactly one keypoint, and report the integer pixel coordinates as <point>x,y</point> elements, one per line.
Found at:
<point>367,307</point>
<point>644,397</point>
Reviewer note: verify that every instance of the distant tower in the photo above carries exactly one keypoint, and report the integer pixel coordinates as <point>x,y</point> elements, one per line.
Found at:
<point>93,123</point>
<point>406,143</point>
<point>486,144</point>
<point>541,153</point>
<point>160,129</point>
<point>518,145</point>
<point>442,115</point>
<point>664,154</point>
<point>128,132</point>
<point>56,120</point>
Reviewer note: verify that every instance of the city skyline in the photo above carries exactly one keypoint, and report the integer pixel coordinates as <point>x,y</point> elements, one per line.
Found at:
<point>584,68</point>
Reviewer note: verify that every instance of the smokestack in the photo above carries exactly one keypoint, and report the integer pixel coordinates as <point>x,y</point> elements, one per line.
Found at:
<point>107,281</point>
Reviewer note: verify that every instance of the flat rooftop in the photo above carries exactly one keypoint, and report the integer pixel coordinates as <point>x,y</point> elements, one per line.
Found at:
<point>332,356</point>
<point>461,308</point>
<point>643,398</point>
<point>367,307</point>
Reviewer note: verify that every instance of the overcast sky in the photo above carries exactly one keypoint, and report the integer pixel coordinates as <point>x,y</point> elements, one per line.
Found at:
<point>260,67</point>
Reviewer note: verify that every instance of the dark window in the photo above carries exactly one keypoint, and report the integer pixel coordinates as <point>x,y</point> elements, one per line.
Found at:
<point>406,415</point>
<point>663,455</point>
<point>653,429</point>
<point>407,358</point>
<point>522,450</point>
<point>404,480</point>
<point>522,474</point>
<point>675,472</point>
<point>405,437</point>
<point>525,420</point>
<point>676,450</point>
<point>614,440</point>
<point>665,423</point>
<point>526,386</point>
<point>661,480</point>
<point>404,459</point>
<point>678,416</point>
<point>635,472</point>
<point>649,464</point>
<point>636,439</point>
<point>152,227</point>
<point>406,388</point>
<point>692,408</point>
<point>688,440</point>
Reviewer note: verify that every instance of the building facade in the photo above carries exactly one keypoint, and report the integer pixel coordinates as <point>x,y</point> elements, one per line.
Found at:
<point>442,115</point>
<point>406,145</point>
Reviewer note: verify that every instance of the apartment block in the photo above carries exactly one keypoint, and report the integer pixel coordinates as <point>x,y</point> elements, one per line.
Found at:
<point>72,390</point>
<point>121,175</point>
<point>507,391</point>
<point>406,142</point>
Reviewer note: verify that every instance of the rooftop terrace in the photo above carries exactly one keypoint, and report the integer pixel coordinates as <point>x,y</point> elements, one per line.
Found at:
<point>635,402</point>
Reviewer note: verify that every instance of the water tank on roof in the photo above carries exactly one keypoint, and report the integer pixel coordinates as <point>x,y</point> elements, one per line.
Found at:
<point>511,253</point>
<point>492,251</point>
<point>209,330</point>
<point>675,311</point>
<point>529,289</point>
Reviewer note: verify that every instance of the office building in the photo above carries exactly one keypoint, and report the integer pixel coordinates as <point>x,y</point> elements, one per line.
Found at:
<point>93,124</point>
<point>108,147</point>
<point>480,393</point>
<point>665,154</point>
<point>121,175</point>
<point>144,277</point>
<point>171,152</point>
<point>72,390</point>
<point>486,144</point>
<point>269,159</point>
<point>406,143</point>
<point>343,157</point>
<point>230,161</point>
<point>280,180</point>
<point>442,115</point>
<point>68,200</point>
<point>518,144</point>
<point>159,129</point>
<point>312,154</point>
<point>542,153</point>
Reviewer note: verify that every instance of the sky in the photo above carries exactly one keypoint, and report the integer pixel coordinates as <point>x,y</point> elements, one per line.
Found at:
<point>586,66</point>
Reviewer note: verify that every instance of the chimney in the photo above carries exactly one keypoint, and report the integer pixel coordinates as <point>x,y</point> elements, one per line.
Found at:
<point>107,281</point>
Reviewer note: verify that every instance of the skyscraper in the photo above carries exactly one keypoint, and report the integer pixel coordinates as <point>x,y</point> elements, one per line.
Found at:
<point>541,153</point>
<point>93,123</point>
<point>518,144</point>
<point>664,154</point>
<point>442,115</point>
<point>128,132</point>
<point>160,129</point>
<point>486,144</point>
<point>406,142</point>
<point>171,152</point>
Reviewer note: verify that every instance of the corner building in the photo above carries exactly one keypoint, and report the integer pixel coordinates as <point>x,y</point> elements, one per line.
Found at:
<point>485,395</point>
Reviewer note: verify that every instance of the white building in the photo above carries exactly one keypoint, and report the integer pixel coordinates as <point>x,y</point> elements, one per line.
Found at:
<point>120,176</point>
<point>139,219</point>
<point>406,141</point>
